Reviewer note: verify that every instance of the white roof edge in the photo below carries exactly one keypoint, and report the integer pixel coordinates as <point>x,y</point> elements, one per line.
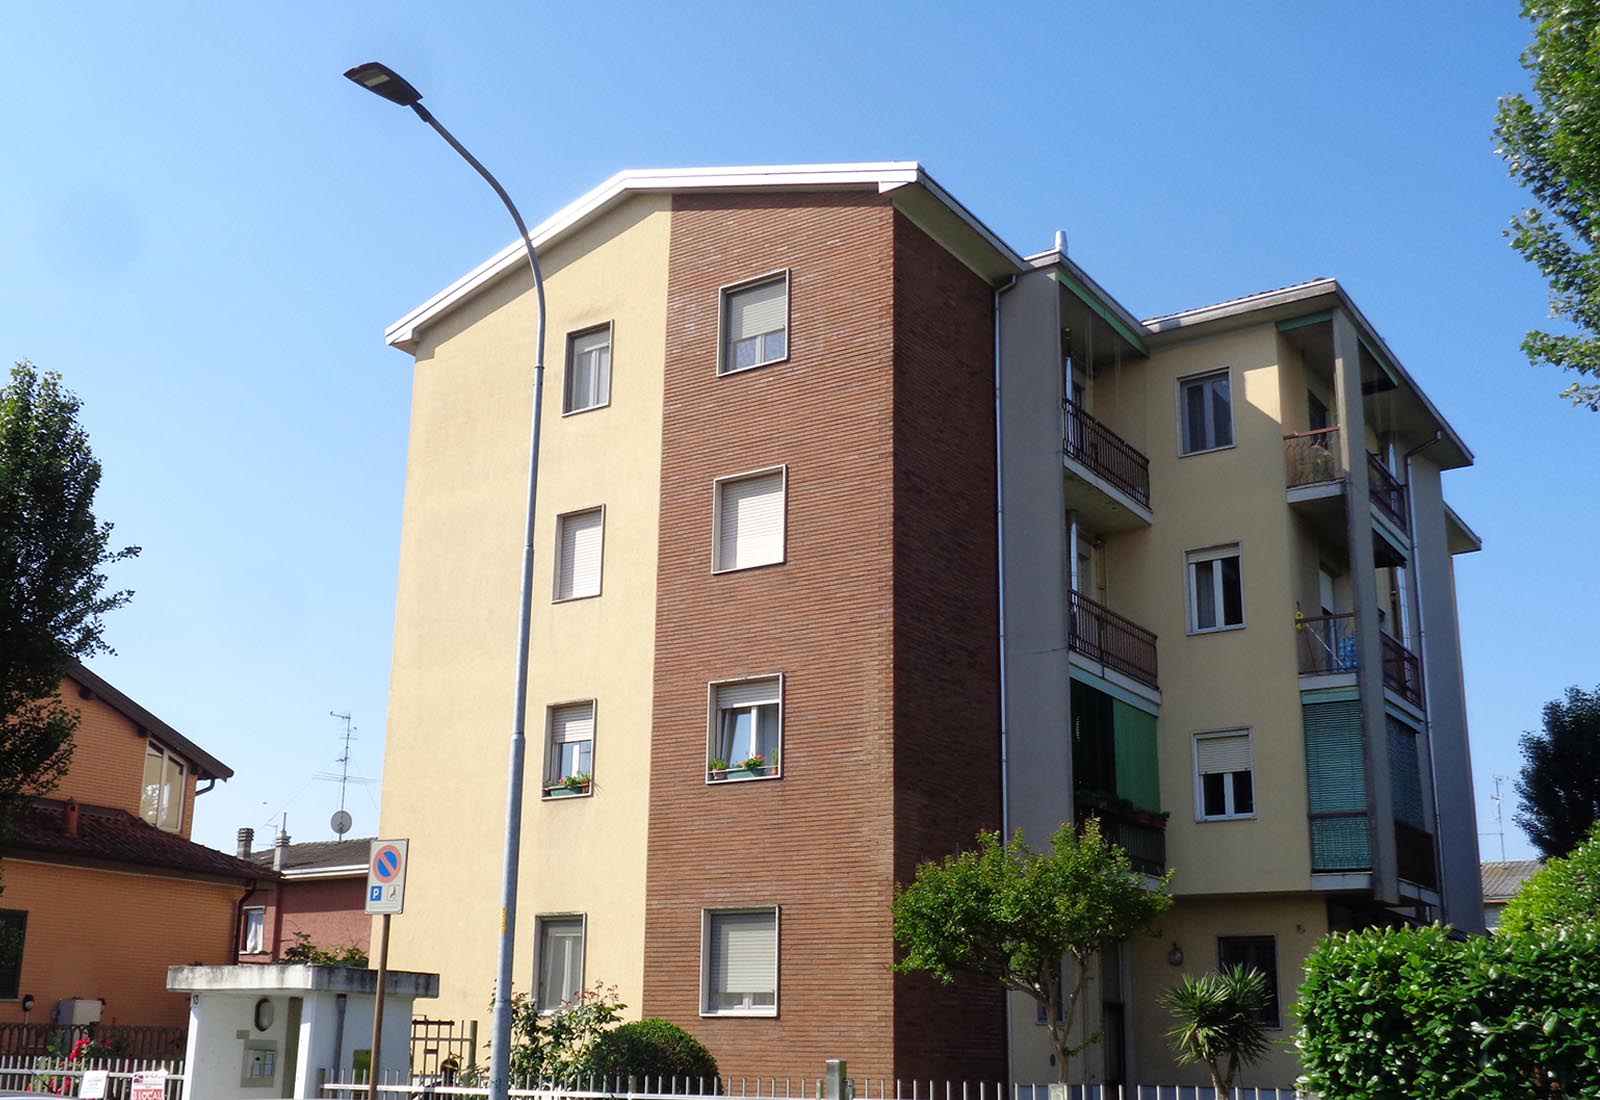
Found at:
<point>1452,516</point>
<point>885,175</point>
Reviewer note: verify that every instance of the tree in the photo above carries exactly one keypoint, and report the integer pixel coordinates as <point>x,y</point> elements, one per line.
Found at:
<point>52,586</point>
<point>1012,914</point>
<point>1559,786</point>
<point>1218,1021</point>
<point>1565,894</point>
<point>1552,147</point>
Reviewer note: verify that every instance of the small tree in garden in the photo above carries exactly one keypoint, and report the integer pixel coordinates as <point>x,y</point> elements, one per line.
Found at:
<point>1007,912</point>
<point>1219,1022</point>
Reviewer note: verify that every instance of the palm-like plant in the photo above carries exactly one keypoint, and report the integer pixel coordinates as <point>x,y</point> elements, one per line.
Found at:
<point>1219,1022</point>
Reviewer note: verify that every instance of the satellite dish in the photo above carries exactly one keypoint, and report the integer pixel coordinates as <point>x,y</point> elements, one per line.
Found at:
<point>340,821</point>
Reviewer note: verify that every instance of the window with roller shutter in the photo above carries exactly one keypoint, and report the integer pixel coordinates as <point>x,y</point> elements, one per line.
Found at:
<point>571,749</point>
<point>746,722</point>
<point>755,324</point>
<point>580,540</point>
<point>739,962</point>
<point>748,520</point>
<point>1224,775</point>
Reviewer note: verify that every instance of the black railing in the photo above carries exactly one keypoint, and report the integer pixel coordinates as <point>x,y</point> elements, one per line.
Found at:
<point>1312,457</point>
<point>1327,643</point>
<point>1402,672</point>
<point>1413,855</point>
<point>434,1043</point>
<point>1103,636</point>
<point>1142,835</point>
<point>1106,453</point>
<point>1388,494</point>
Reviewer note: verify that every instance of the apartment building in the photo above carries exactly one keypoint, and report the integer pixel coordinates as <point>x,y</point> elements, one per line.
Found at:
<point>860,531</point>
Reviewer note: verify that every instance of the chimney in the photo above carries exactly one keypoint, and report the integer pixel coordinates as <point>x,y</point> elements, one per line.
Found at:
<point>278,847</point>
<point>247,837</point>
<point>69,826</point>
<point>1061,241</point>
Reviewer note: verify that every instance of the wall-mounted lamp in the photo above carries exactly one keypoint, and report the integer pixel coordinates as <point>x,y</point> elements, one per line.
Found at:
<point>1175,956</point>
<point>27,1007</point>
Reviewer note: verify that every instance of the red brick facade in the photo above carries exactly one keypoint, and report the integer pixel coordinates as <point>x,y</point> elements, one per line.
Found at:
<point>881,619</point>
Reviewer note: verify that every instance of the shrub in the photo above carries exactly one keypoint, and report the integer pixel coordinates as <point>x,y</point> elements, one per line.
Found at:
<point>1565,892</point>
<point>650,1048</point>
<point>557,1045</point>
<point>1218,1022</point>
<point>1415,1014</point>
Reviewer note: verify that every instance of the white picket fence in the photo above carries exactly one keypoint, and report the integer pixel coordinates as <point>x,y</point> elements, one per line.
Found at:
<point>51,1076</point>
<point>337,1086</point>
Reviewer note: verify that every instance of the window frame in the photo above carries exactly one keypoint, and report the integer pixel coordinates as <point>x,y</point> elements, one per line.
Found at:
<point>725,295</point>
<point>1215,552</point>
<point>1233,422</point>
<point>714,724</point>
<point>550,780</point>
<point>555,572</point>
<point>155,748</point>
<point>610,329</point>
<point>1274,997</point>
<point>781,469</point>
<point>244,933</point>
<point>541,922</point>
<point>706,915</point>
<point>1200,815</point>
<point>21,921</point>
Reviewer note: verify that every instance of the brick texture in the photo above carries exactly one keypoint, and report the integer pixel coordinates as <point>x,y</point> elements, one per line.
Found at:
<point>108,759</point>
<point>331,911</point>
<point>828,840</point>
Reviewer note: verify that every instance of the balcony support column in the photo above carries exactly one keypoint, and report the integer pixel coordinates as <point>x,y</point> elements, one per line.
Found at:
<point>1369,655</point>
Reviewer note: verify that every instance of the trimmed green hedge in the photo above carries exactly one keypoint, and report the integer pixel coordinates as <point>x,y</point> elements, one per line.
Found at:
<point>1412,1014</point>
<point>650,1048</point>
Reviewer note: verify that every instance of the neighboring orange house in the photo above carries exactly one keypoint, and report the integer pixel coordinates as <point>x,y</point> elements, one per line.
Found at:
<point>321,895</point>
<point>102,880</point>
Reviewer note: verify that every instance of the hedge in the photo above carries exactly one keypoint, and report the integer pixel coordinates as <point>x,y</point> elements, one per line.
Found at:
<point>650,1048</point>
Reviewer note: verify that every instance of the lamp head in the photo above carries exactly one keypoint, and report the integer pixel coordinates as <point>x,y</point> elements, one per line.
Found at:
<point>379,79</point>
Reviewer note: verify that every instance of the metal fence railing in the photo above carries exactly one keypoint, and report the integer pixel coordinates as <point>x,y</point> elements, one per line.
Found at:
<point>1113,640</point>
<point>65,1077</point>
<point>1310,458</point>
<point>125,1040</point>
<point>1105,453</point>
<point>1387,493</point>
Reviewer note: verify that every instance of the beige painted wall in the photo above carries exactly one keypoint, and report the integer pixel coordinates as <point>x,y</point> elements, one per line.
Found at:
<point>455,622</point>
<point>1297,923</point>
<point>1246,678</point>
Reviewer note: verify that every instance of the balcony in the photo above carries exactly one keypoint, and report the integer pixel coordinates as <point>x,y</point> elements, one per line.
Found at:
<point>1115,473</point>
<point>1111,640</point>
<point>1340,843</point>
<point>1140,833</point>
<point>1413,856</point>
<point>1312,458</point>
<point>1388,494</point>
<point>1327,645</point>
<point>1402,672</point>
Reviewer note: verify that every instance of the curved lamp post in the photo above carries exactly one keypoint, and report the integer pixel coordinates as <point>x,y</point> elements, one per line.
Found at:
<point>383,81</point>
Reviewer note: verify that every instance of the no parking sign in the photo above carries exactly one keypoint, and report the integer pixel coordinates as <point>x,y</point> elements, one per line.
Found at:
<point>386,877</point>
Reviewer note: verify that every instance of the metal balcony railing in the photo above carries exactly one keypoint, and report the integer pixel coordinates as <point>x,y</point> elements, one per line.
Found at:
<point>1312,457</point>
<point>1388,494</point>
<point>1327,643</point>
<point>1413,855</point>
<point>1105,453</point>
<point>1402,671</point>
<point>1142,835</point>
<point>1107,638</point>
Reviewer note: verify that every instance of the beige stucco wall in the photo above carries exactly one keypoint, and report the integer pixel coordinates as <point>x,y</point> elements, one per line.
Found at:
<point>1246,678</point>
<point>456,614</point>
<point>1297,923</point>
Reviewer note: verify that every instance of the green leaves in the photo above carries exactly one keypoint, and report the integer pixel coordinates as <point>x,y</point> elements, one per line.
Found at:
<point>1559,786</point>
<point>1551,145</point>
<point>1218,1021</point>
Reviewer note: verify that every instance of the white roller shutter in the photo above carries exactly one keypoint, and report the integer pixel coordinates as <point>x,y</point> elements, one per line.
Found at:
<point>758,310</point>
<point>750,521</point>
<point>1223,754</point>
<point>749,693</point>
<point>744,955</point>
<point>578,555</point>
<point>572,723</point>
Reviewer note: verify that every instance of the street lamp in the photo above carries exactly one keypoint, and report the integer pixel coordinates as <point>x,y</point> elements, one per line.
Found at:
<point>384,81</point>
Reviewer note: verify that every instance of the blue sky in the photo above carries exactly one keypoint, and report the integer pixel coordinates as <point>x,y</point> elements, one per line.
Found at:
<point>205,228</point>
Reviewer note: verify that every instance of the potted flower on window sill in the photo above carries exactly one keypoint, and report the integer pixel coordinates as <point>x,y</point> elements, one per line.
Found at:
<point>569,785</point>
<point>718,767</point>
<point>750,767</point>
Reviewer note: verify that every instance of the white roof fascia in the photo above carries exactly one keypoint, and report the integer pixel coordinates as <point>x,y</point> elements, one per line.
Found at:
<point>885,176</point>
<point>347,871</point>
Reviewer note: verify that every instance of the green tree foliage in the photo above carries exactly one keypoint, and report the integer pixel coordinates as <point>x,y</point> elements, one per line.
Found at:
<point>1218,1022</point>
<point>650,1049</point>
<point>1413,1014</point>
<point>557,1045</point>
<point>1559,787</point>
<point>52,586</point>
<point>1565,894</point>
<point>1551,144</point>
<point>1012,914</point>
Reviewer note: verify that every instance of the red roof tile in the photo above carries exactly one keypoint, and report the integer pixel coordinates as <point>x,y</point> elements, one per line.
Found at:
<point>117,836</point>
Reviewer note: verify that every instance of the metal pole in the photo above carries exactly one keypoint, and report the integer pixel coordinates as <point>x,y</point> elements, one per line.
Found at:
<point>376,1068</point>
<point>500,1048</point>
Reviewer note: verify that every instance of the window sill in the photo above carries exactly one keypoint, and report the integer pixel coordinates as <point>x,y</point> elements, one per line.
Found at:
<point>553,793</point>
<point>723,372</point>
<point>757,1013</point>
<point>1208,450</point>
<point>718,570</point>
<point>1195,633</point>
<point>575,599</point>
<point>741,775</point>
<point>585,409</point>
<point>1224,817</point>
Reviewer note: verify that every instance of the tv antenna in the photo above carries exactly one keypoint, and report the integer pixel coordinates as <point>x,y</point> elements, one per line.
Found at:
<point>341,820</point>
<point>1499,819</point>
